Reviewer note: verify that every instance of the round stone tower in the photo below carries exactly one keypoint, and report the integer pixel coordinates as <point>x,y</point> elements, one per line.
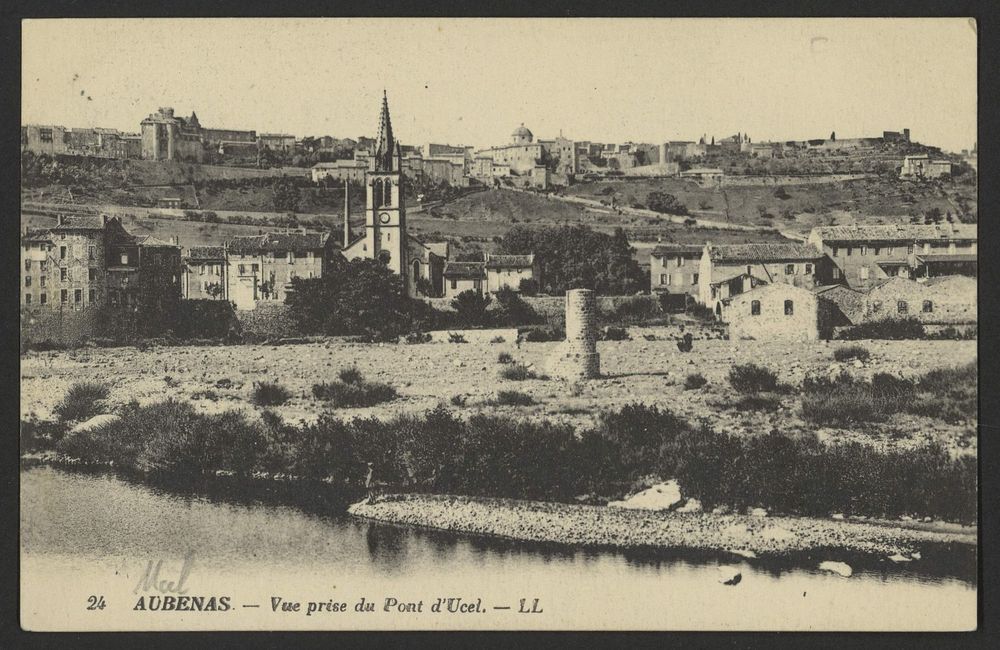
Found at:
<point>576,357</point>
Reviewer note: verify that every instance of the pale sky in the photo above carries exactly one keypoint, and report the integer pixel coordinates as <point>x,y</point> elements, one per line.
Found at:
<point>472,81</point>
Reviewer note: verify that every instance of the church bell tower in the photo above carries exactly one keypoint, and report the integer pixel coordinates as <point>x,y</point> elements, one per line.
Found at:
<point>385,216</point>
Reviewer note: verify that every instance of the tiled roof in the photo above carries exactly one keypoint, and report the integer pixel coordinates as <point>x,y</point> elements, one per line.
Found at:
<point>963,257</point>
<point>763,253</point>
<point>900,232</point>
<point>80,222</point>
<point>958,281</point>
<point>206,253</point>
<point>509,261</point>
<point>37,236</point>
<point>677,249</point>
<point>275,242</point>
<point>465,270</point>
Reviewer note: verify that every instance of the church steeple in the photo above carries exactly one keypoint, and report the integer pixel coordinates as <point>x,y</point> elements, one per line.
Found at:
<point>386,147</point>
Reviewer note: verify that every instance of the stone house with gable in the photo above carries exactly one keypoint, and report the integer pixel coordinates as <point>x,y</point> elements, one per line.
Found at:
<point>674,271</point>
<point>947,300</point>
<point>778,311</point>
<point>507,271</point>
<point>725,271</point>
<point>463,276</point>
<point>261,267</point>
<point>205,273</point>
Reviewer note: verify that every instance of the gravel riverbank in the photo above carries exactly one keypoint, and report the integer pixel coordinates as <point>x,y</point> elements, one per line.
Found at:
<point>600,526</point>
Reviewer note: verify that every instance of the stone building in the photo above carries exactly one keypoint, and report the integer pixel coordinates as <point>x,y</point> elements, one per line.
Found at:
<point>922,166</point>
<point>276,141</point>
<point>169,137</point>
<point>727,270</point>
<point>674,271</point>
<point>463,276</point>
<point>47,139</point>
<point>523,154</point>
<point>862,256</point>
<point>261,268</point>
<point>508,271</point>
<point>205,273</point>
<point>848,304</point>
<point>89,264</point>
<point>944,300</point>
<point>777,311</point>
<point>351,170</point>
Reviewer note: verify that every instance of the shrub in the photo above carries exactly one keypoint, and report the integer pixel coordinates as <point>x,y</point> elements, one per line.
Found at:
<point>751,378</point>
<point>414,338</point>
<point>83,401</point>
<point>851,352</point>
<point>512,310</point>
<point>517,372</point>
<point>845,400</point>
<point>615,334</point>
<point>350,375</point>
<point>505,357</point>
<point>699,311</point>
<point>886,328</point>
<point>354,392</point>
<point>269,394</point>
<point>666,203</point>
<point>694,381</point>
<point>540,335</point>
<point>456,337</point>
<point>458,400</point>
<point>471,307</point>
<point>635,310</point>
<point>513,398</point>
<point>528,286</point>
<point>497,339</point>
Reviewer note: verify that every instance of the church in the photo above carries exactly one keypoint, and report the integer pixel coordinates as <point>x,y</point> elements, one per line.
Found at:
<point>386,238</point>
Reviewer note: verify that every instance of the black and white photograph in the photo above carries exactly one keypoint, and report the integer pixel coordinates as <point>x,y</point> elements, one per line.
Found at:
<point>659,324</point>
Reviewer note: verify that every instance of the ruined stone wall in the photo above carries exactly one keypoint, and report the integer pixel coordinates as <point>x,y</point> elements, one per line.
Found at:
<point>576,358</point>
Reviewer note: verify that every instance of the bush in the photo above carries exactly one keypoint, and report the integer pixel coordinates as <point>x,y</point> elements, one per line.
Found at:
<point>269,394</point>
<point>528,286</point>
<point>414,338</point>
<point>456,337</point>
<point>512,310</point>
<point>497,339</point>
<point>694,381</point>
<point>513,398</point>
<point>458,400</point>
<point>350,375</point>
<point>615,334</point>
<point>665,203</point>
<point>505,357</point>
<point>635,310</point>
<point>352,394</point>
<point>751,378</point>
<point>851,352</point>
<point>83,401</point>
<point>517,372</point>
<point>540,335</point>
<point>471,307</point>
<point>886,328</point>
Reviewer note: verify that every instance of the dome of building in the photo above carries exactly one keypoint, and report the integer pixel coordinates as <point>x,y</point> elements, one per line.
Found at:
<point>522,134</point>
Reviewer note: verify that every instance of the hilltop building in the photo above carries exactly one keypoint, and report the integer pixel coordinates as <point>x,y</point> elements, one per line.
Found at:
<point>169,137</point>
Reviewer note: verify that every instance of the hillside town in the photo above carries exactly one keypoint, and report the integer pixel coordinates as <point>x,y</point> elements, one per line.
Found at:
<point>839,276</point>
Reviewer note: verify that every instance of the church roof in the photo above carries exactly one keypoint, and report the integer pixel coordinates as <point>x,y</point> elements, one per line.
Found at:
<point>386,147</point>
<point>522,132</point>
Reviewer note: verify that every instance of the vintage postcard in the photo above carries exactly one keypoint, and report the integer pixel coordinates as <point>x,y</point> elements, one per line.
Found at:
<point>498,324</point>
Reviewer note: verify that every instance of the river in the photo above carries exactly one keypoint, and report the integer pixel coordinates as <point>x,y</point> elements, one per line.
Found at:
<point>95,534</point>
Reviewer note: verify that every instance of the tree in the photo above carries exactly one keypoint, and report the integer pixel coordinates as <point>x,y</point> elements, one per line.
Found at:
<point>359,297</point>
<point>286,195</point>
<point>512,310</point>
<point>471,307</point>
<point>665,203</point>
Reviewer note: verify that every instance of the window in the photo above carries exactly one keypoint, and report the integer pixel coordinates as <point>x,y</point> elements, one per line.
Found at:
<point>27,298</point>
<point>91,252</point>
<point>64,296</point>
<point>888,251</point>
<point>927,248</point>
<point>789,308</point>
<point>45,135</point>
<point>755,308</point>
<point>928,307</point>
<point>864,250</point>
<point>789,269</point>
<point>91,274</point>
<point>92,295</point>
<point>291,257</point>
<point>902,307</point>
<point>694,278</point>
<point>836,273</point>
<point>42,265</point>
<point>878,250</point>
<point>243,269</point>
<point>809,269</point>
<point>27,265</point>
<point>863,271</point>
<point>43,299</point>
<point>680,261</point>
<point>668,280</point>
<point>63,274</point>
<point>62,252</point>
<point>663,278</point>
<point>27,280</point>
<point>255,267</point>
<point>909,249</point>
<point>202,268</point>
<point>876,306</point>
<point>41,281</point>
<point>836,251</point>
<point>849,251</point>
<point>454,284</point>
<point>124,259</point>
<point>311,256</point>
<point>78,295</point>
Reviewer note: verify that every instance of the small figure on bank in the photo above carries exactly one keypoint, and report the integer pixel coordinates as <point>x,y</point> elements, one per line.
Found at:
<point>370,483</point>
